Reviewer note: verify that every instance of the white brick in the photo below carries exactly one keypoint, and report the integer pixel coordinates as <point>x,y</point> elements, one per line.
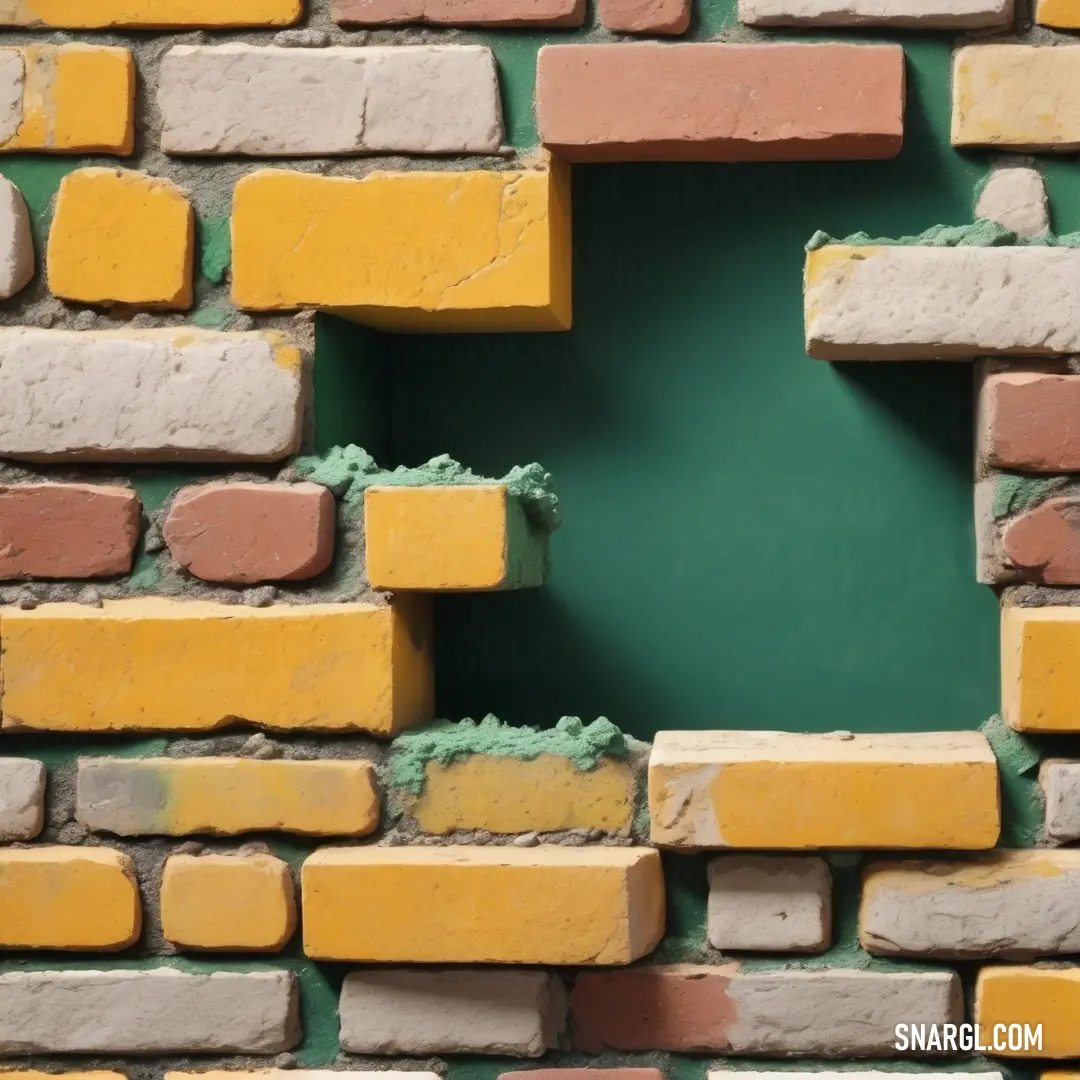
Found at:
<point>937,303</point>
<point>772,903</point>
<point>11,92</point>
<point>22,798</point>
<point>243,99</point>
<point>920,14</point>
<point>1016,198</point>
<point>183,395</point>
<point>451,1011</point>
<point>147,1012</point>
<point>16,243</point>
<point>1060,783</point>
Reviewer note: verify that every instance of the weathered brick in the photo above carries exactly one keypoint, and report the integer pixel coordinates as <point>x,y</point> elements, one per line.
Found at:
<point>1060,14</point>
<point>945,303</point>
<point>768,789</point>
<point>149,14</point>
<point>67,530</point>
<point>226,796</point>
<point>1016,198</point>
<point>54,897</point>
<point>1044,543</point>
<point>1027,420</point>
<point>589,1073</point>
<point>918,14</point>
<point>242,533</point>
<point>773,903</point>
<point>1013,904</point>
<point>504,13</point>
<point>22,798</point>
<point>1016,96</point>
<point>1040,673</point>
<point>122,237</point>
<point>543,905</point>
<point>233,902</point>
<point>645,16</point>
<point>148,395</point>
<point>452,538</point>
<point>1016,994</point>
<point>716,101</point>
<point>16,241</point>
<point>1060,783</point>
<point>418,250</point>
<point>827,1012</point>
<point>67,99</point>
<point>157,1011</point>
<point>153,664</point>
<point>453,1011</point>
<point>427,99</point>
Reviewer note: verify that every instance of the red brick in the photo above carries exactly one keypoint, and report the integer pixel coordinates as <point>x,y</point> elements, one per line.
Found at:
<point>645,16</point>
<point>714,101</point>
<point>67,530</point>
<point>1045,542</point>
<point>1031,420</point>
<point>461,12</point>
<point>244,533</point>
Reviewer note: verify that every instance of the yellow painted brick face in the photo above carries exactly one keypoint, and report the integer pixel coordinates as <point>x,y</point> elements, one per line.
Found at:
<point>149,14</point>
<point>167,665</point>
<point>1062,15</point>
<point>506,795</point>
<point>542,905</point>
<point>479,250</point>
<point>1040,668</point>
<point>75,99</point>
<point>219,902</point>
<point>121,237</point>
<point>1029,995</point>
<point>55,897</point>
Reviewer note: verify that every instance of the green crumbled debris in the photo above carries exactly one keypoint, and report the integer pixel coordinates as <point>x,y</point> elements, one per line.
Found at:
<point>982,233</point>
<point>349,470</point>
<point>446,742</point>
<point>215,248</point>
<point>1021,798</point>
<point>1015,493</point>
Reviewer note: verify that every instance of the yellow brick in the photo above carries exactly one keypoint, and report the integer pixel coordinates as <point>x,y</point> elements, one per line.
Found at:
<point>121,237</point>
<point>502,905</point>
<point>170,665</point>
<point>1019,96</point>
<point>56,897</point>
<point>507,795</point>
<point>416,250</point>
<point>453,538</point>
<point>148,14</point>
<point>243,903</point>
<point>1040,668</point>
<point>1062,15</point>
<point>1030,995</point>
<point>767,789</point>
<point>76,98</point>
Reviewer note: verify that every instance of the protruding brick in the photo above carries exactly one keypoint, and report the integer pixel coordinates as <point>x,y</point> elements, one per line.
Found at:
<point>1027,420</point>
<point>153,664</point>
<point>226,796</point>
<point>1016,96</point>
<point>1061,15</point>
<point>1016,198</point>
<point>149,395</point>
<point>507,13</point>
<point>1049,997</point>
<point>945,303</point>
<point>157,1011</point>
<point>22,798</point>
<point>771,903</point>
<point>452,538</point>
<point>122,237</point>
<point>243,533</point>
<point>1040,668</point>
<point>242,903</point>
<point>588,1073</point>
<point>67,530</point>
<point>426,99</point>
<point>917,14</point>
<point>454,1011</point>
<point>149,14</point>
<point>54,897</point>
<point>770,789</point>
<point>716,101</point>
<point>645,16</point>
<point>418,250</point>
<point>1060,783</point>
<point>825,1012</point>
<point>1044,543</point>
<point>67,99</point>
<point>1012,904</point>
<point>16,241</point>
<point>543,905</point>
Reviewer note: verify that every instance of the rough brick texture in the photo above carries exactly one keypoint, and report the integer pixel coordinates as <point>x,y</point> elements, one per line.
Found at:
<point>1040,676</point>
<point>16,242</point>
<point>22,798</point>
<point>1060,783</point>
<point>505,13</point>
<point>1044,543</point>
<point>645,16</point>
<point>154,664</point>
<point>918,14</point>
<point>1016,198</point>
<point>1027,421</point>
<point>828,1012</point>
<point>1035,996</point>
<point>149,14</point>
<point>148,395</point>
<point>720,102</point>
<point>455,1011</point>
<point>241,533</point>
<point>1060,14</point>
